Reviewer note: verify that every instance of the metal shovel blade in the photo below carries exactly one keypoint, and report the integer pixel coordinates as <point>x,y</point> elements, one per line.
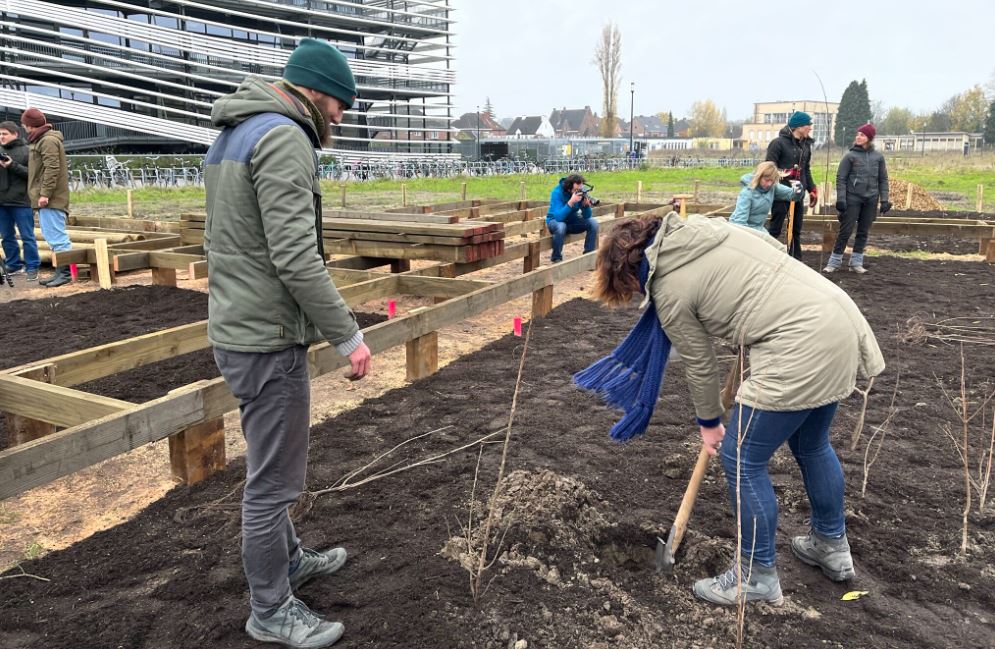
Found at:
<point>665,552</point>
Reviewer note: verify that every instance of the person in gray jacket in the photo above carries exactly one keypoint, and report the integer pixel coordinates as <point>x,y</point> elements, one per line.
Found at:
<point>270,298</point>
<point>861,181</point>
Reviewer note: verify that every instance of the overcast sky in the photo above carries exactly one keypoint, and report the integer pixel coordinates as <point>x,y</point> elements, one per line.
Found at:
<point>530,56</point>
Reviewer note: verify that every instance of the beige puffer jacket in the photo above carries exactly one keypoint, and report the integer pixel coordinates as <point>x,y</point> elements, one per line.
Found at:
<point>808,340</point>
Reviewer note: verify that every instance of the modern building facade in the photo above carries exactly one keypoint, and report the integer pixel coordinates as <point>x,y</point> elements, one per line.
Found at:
<point>132,75</point>
<point>770,117</point>
<point>920,142</point>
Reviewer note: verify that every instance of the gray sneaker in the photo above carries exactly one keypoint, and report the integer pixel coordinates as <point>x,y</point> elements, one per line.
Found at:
<point>831,555</point>
<point>764,586</point>
<point>860,270</point>
<point>295,625</point>
<point>830,269</point>
<point>316,564</point>
<point>32,275</point>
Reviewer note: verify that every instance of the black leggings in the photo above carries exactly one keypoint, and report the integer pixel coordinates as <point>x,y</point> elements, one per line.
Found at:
<point>860,212</point>
<point>778,215</point>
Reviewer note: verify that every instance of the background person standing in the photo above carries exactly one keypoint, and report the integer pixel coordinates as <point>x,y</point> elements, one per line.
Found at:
<point>48,187</point>
<point>15,208</point>
<point>791,151</point>
<point>861,181</point>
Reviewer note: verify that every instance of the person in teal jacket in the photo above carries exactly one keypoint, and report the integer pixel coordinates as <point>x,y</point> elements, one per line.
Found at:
<point>760,189</point>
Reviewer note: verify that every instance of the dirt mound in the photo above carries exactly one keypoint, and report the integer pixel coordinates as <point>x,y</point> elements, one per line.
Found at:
<point>921,199</point>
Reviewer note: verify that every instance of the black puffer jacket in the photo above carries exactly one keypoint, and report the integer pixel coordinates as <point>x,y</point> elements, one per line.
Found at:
<point>14,179</point>
<point>862,173</point>
<point>786,152</point>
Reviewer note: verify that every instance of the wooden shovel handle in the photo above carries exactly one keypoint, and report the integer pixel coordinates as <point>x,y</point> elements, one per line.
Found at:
<point>687,503</point>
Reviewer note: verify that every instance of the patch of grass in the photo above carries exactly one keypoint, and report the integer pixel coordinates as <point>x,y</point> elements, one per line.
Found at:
<point>34,550</point>
<point>8,517</point>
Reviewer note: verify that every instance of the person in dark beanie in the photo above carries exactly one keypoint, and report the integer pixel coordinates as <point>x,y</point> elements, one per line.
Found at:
<point>271,297</point>
<point>861,182</point>
<point>48,187</point>
<point>15,208</point>
<point>791,151</point>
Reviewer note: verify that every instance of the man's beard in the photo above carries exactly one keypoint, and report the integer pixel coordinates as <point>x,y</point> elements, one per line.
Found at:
<point>325,130</point>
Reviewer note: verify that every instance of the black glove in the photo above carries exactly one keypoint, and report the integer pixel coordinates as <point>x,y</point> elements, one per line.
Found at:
<point>840,206</point>
<point>885,207</point>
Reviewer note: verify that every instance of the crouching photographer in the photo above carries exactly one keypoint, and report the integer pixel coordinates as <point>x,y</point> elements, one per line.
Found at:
<point>570,213</point>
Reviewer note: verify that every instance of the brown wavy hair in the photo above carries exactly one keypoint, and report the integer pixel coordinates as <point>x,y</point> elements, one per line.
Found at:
<point>621,253</point>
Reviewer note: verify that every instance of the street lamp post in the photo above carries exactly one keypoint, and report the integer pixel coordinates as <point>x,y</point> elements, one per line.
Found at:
<point>632,110</point>
<point>478,133</point>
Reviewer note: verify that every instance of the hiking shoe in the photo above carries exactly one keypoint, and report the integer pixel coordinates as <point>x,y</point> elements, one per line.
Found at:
<point>764,586</point>
<point>12,271</point>
<point>32,275</point>
<point>831,555</point>
<point>830,269</point>
<point>860,270</point>
<point>316,564</point>
<point>295,625</point>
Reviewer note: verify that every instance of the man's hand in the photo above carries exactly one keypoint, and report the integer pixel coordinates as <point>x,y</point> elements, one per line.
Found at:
<point>361,361</point>
<point>586,203</point>
<point>813,198</point>
<point>576,198</point>
<point>840,206</point>
<point>885,207</point>
<point>711,438</point>
<point>6,162</point>
<point>43,201</point>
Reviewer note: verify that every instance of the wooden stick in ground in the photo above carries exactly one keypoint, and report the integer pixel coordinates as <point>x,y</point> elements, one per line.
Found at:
<point>491,504</point>
<point>858,428</point>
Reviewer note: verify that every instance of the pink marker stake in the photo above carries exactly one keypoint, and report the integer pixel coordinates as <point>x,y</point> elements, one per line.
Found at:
<point>73,271</point>
<point>518,326</point>
<point>391,308</point>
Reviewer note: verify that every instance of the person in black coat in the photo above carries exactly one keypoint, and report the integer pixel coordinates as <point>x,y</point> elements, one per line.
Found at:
<point>15,208</point>
<point>791,151</point>
<point>861,181</point>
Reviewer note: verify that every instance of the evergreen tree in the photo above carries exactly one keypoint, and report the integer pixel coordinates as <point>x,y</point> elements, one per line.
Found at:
<point>489,108</point>
<point>990,125</point>
<point>670,125</point>
<point>854,111</point>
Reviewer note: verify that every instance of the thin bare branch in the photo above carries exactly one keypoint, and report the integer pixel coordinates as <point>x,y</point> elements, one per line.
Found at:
<point>24,574</point>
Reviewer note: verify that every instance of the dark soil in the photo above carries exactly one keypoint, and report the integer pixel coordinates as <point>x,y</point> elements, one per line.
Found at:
<point>578,514</point>
<point>60,325</point>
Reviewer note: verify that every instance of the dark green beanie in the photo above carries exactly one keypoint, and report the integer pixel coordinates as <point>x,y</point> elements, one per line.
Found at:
<point>799,118</point>
<point>319,66</point>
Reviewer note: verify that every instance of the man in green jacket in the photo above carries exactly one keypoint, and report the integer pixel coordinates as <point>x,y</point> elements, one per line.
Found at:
<point>48,187</point>
<point>271,297</point>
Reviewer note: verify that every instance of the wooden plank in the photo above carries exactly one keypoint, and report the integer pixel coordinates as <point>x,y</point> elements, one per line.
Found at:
<point>198,451</point>
<point>104,276</point>
<point>414,238</point>
<point>197,270</point>
<point>75,256</point>
<point>389,216</point>
<point>39,462</point>
<point>191,237</point>
<point>130,261</point>
<point>358,263</point>
<point>175,260</point>
<point>392,250</point>
<point>463,229</point>
<point>53,403</point>
<point>438,286</point>
<point>23,429</point>
<point>373,289</point>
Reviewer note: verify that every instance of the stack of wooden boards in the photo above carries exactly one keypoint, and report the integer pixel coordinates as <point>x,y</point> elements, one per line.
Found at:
<point>412,236</point>
<point>192,229</point>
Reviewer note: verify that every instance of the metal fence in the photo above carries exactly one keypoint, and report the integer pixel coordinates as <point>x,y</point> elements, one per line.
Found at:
<point>112,173</point>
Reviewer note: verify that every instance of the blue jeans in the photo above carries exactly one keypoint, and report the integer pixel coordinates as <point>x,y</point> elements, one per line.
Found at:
<point>560,230</point>
<point>53,228</point>
<point>807,434</point>
<point>24,220</point>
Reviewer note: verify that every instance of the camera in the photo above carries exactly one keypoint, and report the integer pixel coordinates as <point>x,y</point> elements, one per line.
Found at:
<point>585,191</point>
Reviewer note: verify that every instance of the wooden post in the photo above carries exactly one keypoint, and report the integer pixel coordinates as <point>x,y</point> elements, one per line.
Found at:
<point>404,194</point>
<point>21,429</point>
<point>619,210</point>
<point>697,191</point>
<point>639,191</point>
<point>400,265</point>
<point>981,198</point>
<point>542,302</point>
<point>684,208</point>
<point>983,246</point>
<point>422,356</point>
<point>990,255</point>
<point>131,206</point>
<point>532,260</point>
<point>198,451</point>
<point>828,240</point>
<point>521,191</point>
<point>908,197</point>
<point>462,193</point>
<point>104,274</point>
<point>164,276</point>
<point>343,194</point>
<point>449,271</point>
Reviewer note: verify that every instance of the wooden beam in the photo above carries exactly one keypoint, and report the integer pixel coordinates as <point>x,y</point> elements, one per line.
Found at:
<point>174,260</point>
<point>53,403</point>
<point>104,275</point>
<point>197,270</point>
<point>373,289</point>
<point>388,216</point>
<point>164,276</point>
<point>422,356</point>
<point>22,429</point>
<point>438,286</point>
<point>130,261</point>
<point>198,451</point>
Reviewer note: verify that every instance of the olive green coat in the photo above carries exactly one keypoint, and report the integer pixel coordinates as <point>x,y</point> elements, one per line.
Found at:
<point>48,172</point>
<point>807,340</point>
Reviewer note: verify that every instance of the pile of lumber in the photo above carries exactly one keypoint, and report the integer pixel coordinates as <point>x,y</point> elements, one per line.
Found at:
<point>192,229</point>
<point>413,236</point>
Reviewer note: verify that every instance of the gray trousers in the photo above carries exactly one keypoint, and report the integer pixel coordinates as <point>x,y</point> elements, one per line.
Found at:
<point>274,399</point>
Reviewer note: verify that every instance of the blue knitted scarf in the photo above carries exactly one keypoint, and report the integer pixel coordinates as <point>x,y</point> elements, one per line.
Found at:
<point>630,377</point>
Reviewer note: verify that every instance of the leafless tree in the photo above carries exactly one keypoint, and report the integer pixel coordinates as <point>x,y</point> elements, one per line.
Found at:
<point>608,58</point>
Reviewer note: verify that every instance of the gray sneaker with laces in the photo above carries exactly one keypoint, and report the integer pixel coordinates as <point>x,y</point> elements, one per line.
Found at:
<point>295,625</point>
<point>832,556</point>
<point>316,564</point>
<point>763,586</point>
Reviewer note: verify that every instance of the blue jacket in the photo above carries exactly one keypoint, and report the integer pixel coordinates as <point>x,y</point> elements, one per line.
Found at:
<point>560,211</point>
<point>753,205</point>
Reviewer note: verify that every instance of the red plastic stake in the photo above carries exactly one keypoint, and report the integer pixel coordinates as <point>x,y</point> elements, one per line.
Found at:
<point>74,271</point>
<point>391,308</point>
<point>518,326</point>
